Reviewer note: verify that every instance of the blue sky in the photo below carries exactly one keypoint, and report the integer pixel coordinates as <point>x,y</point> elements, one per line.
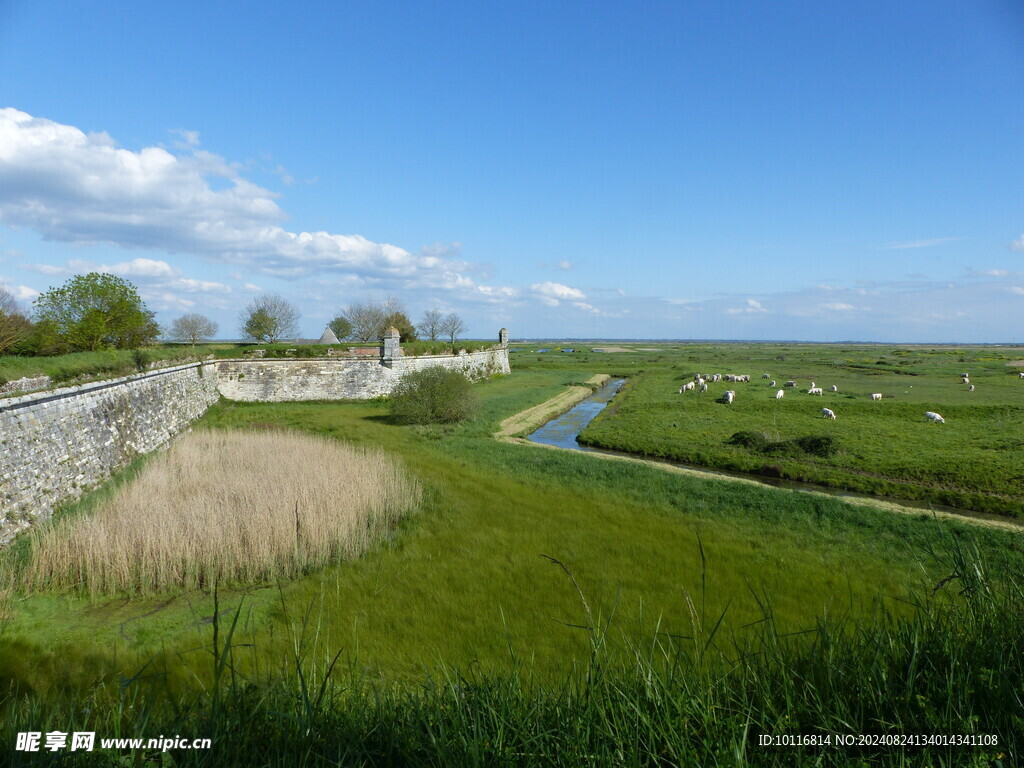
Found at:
<point>783,170</point>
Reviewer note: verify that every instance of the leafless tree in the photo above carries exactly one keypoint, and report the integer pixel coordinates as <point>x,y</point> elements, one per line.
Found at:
<point>193,328</point>
<point>452,326</point>
<point>13,325</point>
<point>269,318</point>
<point>430,325</point>
<point>369,319</point>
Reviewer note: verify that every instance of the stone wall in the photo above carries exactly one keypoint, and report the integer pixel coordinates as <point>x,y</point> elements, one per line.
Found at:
<point>54,445</point>
<point>290,379</point>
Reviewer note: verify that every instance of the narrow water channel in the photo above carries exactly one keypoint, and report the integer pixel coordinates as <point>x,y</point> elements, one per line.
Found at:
<point>563,430</point>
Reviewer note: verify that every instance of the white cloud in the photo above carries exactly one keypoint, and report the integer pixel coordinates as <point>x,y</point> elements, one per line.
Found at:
<point>142,268</point>
<point>1018,290</point>
<point>564,264</point>
<point>552,294</point>
<point>753,306</point>
<point>837,306</point>
<point>920,243</point>
<point>81,188</point>
<point>994,273</point>
<point>1018,244</point>
<point>44,269</point>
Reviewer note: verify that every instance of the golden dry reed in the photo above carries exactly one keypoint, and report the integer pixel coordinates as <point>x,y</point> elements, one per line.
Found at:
<point>228,506</point>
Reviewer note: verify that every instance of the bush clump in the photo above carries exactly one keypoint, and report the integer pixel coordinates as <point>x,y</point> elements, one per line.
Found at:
<point>816,445</point>
<point>433,396</point>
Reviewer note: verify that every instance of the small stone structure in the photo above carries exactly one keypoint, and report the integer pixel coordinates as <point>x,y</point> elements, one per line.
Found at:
<point>56,444</point>
<point>328,337</point>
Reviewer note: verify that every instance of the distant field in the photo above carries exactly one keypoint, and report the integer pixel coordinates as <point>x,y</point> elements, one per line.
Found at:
<point>975,460</point>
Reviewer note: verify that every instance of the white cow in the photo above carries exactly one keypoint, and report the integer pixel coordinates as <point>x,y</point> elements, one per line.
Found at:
<point>780,394</point>
<point>790,383</point>
<point>703,387</point>
<point>835,388</point>
<point>876,396</point>
<point>765,376</point>
<point>970,388</point>
<point>814,390</point>
<point>966,380</point>
<point>828,413</point>
<point>772,382</point>
<point>1020,375</point>
<point>730,395</point>
<point>932,416</point>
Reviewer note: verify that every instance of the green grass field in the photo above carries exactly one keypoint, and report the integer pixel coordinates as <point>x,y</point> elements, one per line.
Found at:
<point>466,639</point>
<point>974,461</point>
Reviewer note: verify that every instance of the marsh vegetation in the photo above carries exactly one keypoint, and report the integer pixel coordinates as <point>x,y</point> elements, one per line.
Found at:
<point>222,507</point>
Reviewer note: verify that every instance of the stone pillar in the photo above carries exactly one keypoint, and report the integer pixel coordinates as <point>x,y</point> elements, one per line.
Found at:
<point>392,348</point>
<point>503,337</point>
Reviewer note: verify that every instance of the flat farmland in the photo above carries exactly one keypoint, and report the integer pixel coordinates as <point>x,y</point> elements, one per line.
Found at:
<point>974,461</point>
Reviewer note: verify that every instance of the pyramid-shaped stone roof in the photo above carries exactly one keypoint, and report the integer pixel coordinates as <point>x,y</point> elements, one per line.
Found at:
<point>328,337</point>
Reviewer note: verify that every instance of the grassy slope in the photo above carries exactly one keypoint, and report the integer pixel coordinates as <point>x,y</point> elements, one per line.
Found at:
<point>974,460</point>
<point>464,581</point>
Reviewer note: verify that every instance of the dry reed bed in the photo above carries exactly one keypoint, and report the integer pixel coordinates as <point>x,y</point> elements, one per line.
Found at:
<point>228,506</point>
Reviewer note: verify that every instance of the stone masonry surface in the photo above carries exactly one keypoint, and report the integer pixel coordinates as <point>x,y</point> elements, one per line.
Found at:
<point>56,444</point>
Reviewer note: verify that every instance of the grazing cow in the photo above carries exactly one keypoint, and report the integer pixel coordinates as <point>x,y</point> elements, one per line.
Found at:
<point>967,381</point>
<point>835,388</point>
<point>970,388</point>
<point>814,391</point>
<point>1020,375</point>
<point>703,387</point>
<point>716,377</point>
<point>729,396</point>
<point>780,394</point>
<point>828,413</point>
<point>932,416</point>
<point>964,375</point>
<point>771,383</point>
<point>876,396</point>
<point>790,383</point>
<point>765,376</point>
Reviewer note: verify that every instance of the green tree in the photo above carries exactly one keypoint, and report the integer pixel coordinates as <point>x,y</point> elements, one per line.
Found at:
<point>95,311</point>
<point>433,396</point>
<point>341,326</point>
<point>269,318</point>
<point>400,321</point>
<point>14,327</point>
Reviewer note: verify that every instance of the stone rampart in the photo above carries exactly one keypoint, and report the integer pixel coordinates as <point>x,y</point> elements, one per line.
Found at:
<point>56,444</point>
<point>290,379</point>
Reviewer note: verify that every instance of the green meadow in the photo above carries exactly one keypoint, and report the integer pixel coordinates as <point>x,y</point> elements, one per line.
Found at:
<point>974,461</point>
<point>557,608</point>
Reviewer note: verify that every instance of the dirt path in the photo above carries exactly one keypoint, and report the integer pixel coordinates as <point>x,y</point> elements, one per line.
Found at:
<point>532,418</point>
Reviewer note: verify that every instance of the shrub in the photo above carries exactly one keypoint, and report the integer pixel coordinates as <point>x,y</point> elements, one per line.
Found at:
<point>433,396</point>
<point>818,445</point>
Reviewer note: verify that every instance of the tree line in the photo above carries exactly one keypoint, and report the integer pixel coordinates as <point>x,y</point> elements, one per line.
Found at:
<point>103,311</point>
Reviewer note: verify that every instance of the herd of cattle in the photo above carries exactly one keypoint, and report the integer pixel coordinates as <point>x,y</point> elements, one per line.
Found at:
<point>701,380</point>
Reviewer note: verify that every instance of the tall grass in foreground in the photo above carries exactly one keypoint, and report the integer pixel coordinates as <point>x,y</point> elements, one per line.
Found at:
<point>227,506</point>
<point>952,670</point>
